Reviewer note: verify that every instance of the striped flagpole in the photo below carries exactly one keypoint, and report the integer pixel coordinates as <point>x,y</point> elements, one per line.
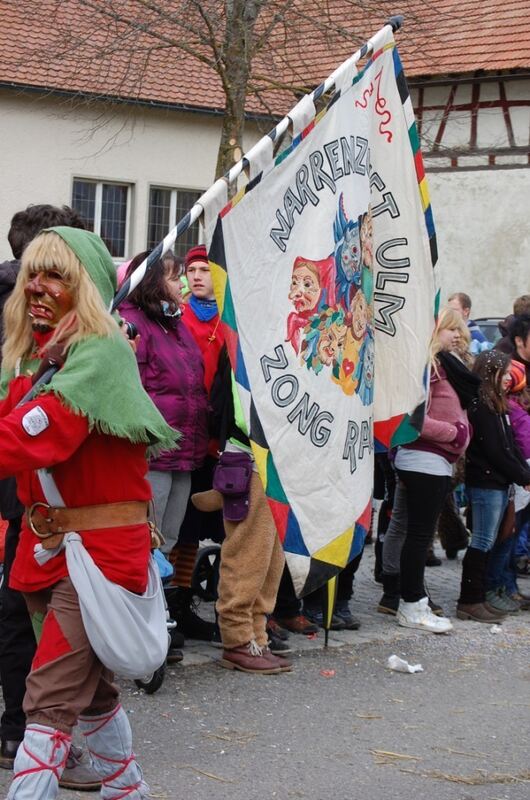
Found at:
<point>233,174</point>
<point>229,178</point>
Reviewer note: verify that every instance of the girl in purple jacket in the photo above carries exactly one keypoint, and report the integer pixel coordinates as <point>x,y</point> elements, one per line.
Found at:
<point>493,464</point>
<point>172,372</point>
<point>505,581</point>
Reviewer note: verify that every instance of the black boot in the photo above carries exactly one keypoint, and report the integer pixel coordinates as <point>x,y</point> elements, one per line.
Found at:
<point>435,607</point>
<point>383,522</point>
<point>378,565</point>
<point>471,604</point>
<point>453,534</point>
<point>473,585</point>
<point>180,604</point>
<point>389,602</point>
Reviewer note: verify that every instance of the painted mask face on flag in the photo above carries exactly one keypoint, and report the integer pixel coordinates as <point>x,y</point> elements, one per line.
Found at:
<point>366,240</point>
<point>347,254</point>
<point>350,252</point>
<point>305,287</point>
<point>331,343</point>
<point>360,314</point>
<point>364,374</point>
<point>312,287</point>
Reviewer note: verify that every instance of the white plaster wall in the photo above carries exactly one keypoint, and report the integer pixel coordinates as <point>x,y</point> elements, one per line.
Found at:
<point>483,227</point>
<point>46,142</point>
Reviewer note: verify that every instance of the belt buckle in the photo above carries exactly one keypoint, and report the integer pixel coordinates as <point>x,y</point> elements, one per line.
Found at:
<point>29,515</point>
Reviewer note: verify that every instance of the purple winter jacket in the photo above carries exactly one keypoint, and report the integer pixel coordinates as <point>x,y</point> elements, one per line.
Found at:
<point>520,422</point>
<point>172,373</point>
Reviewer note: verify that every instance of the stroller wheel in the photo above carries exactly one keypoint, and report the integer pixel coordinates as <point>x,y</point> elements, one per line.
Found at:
<point>155,682</point>
<point>206,573</point>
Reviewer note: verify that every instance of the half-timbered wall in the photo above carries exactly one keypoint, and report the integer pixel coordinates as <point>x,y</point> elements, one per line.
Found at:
<point>476,143</point>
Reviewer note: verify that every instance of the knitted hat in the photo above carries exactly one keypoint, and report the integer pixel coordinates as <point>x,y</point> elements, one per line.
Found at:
<point>197,253</point>
<point>518,377</point>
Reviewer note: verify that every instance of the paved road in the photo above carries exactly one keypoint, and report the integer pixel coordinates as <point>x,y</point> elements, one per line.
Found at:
<point>458,731</point>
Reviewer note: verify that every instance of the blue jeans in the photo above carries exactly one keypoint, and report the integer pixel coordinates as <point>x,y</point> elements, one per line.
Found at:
<point>522,525</point>
<point>487,508</point>
<point>501,572</point>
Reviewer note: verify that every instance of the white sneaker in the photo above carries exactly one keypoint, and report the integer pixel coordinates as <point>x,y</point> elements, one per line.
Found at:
<point>419,615</point>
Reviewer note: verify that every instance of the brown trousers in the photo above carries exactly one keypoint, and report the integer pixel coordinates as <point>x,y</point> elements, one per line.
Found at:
<point>66,677</point>
<point>249,576</point>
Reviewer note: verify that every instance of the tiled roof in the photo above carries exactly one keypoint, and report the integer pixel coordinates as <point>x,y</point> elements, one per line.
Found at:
<point>66,45</point>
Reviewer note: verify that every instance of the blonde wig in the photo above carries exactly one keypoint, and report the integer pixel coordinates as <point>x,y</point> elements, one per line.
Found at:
<point>88,317</point>
<point>450,319</point>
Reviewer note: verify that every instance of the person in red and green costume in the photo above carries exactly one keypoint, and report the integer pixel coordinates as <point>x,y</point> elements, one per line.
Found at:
<point>91,425</point>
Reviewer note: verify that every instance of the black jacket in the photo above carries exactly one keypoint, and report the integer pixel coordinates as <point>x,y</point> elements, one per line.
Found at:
<point>493,460</point>
<point>222,416</point>
<point>8,275</point>
<point>10,508</point>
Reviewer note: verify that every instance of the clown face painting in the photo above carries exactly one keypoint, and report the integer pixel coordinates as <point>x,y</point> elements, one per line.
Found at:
<point>347,255</point>
<point>312,288</point>
<point>360,316</point>
<point>331,343</point>
<point>366,239</point>
<point>323,340</point>
<point>350,253</point>
<point>365,370</point>
<point>304,292</point>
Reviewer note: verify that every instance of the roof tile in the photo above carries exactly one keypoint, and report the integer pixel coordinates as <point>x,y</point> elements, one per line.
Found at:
<point>65,45</point>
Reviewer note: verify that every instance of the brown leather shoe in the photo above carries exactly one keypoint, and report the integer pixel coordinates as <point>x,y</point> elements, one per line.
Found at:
<point>79,774</point>
<point>273,629</point>
<point>297,624</point>
<point>479,612</point>
<point>250,658</point>
<point>281,662</point>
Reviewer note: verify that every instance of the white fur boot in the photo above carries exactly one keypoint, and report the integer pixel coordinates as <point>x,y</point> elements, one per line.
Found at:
<point>109,742</point>
<point>39,763</point>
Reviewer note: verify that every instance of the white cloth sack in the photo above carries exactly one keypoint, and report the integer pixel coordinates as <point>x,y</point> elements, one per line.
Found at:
<point>127,631</point>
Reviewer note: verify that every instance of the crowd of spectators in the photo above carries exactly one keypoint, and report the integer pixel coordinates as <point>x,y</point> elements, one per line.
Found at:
<point>472,457</point>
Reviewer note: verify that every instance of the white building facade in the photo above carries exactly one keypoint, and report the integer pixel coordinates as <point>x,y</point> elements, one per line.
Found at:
<point>134,170</point>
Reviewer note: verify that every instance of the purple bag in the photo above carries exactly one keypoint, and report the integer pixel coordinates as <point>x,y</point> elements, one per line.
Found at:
<point>232,479</point>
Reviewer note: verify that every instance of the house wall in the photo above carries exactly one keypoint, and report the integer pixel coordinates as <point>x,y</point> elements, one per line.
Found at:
<point>46,142</point>
<point>480,190</point>
<point>481,212</point>
<point>483,228</point>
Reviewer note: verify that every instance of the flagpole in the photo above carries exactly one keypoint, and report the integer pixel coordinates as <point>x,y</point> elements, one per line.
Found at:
<point>233,174</point>
<point>196,211</point>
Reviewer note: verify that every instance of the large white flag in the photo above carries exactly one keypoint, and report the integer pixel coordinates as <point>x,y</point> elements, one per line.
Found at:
<point>323,270</point>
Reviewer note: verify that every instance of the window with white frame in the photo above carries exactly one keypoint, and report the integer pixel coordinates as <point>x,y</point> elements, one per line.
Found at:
<point>105,209</point>
<point>166,208</point>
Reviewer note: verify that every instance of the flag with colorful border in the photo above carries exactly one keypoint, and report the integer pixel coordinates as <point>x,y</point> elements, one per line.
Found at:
<point>323,272</point>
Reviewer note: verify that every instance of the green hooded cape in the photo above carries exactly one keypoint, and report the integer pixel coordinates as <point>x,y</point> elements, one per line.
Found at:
<point>100,377</point>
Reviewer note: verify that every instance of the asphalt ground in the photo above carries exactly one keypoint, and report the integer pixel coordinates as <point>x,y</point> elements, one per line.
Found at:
<point>341,725</point>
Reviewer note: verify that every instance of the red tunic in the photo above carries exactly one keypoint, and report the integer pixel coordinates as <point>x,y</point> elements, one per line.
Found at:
<point>210,339</point>
<point>89,468</point>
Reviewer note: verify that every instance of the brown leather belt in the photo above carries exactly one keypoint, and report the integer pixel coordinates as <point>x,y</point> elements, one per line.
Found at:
<point>47,521</point>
